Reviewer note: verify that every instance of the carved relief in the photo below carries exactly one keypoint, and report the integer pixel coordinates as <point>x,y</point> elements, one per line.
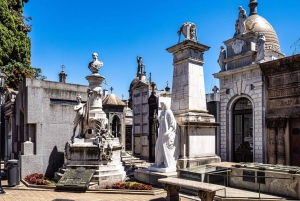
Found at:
<point>285,92</point>
<point>275,123</point>
<point>285,65</point>
<point>228,80</point>
<point>237,46</point>
<point>188,53</point>
<point>284,103</point>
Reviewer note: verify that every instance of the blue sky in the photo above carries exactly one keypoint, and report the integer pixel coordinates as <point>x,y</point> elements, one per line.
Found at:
<point>67,32</point>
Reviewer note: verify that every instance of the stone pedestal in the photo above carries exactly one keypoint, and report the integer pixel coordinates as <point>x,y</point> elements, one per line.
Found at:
<point>84,153</point>
<point>196,126</point>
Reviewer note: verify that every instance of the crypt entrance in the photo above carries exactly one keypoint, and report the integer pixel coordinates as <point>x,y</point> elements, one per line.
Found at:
<point>242,143</point>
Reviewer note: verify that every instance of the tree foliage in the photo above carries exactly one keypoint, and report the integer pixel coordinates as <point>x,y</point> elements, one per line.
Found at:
<point>15,72</point>
<point>15,44</point>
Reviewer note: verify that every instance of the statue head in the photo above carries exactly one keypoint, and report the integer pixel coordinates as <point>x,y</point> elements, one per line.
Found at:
<point>164,105</point>
<point>241,8</point>
<point>78,98</point>
<point>95,56</point>
<point>222,48</point>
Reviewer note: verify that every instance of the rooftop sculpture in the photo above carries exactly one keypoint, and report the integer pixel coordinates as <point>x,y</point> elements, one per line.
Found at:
<point>189,31</point>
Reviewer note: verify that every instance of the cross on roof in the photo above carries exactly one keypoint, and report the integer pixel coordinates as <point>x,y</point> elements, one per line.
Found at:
<point>122,97</point>
<point>167,83</point>
<point>105,84</point>
<point>215,89</point>
<point>111,89</point>
<point>62,67</point>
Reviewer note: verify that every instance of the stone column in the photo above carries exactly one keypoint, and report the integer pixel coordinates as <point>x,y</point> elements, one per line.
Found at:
<point>188,104</point>
<point>272,146</point>
<point>276,149</point>
<point>280,147</point>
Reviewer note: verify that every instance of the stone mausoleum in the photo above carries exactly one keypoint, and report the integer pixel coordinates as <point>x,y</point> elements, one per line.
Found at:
<point>258,96</point>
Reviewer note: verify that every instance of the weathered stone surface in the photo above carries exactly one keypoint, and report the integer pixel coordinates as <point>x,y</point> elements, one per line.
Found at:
<point>75,179</point>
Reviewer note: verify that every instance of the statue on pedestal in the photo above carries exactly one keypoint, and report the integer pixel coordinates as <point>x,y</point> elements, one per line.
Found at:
<point>167,143</point>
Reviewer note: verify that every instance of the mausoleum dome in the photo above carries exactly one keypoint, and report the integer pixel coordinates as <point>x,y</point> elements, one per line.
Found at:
<point>256,23</point>
<point>133,82</point>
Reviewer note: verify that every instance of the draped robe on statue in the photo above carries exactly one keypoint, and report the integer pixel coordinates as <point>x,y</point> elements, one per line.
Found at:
<point>166,148</point>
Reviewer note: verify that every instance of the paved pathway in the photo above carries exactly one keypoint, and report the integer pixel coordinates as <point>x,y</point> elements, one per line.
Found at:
<point>50,195</point>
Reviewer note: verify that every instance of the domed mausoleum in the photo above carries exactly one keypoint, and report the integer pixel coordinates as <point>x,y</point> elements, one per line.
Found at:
<point>242,87</point>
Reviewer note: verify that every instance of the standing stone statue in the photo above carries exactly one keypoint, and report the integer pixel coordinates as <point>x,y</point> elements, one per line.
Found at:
<point>241,21</point>
<point>140,64</point>
<point>167,143</point>
<point>222,56</point>
<point>95,65</point>
<point>260,55</point>
<point>78,120</point>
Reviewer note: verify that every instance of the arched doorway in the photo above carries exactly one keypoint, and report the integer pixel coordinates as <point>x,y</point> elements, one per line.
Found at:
<point>116,127</point>
<point>243,131</point>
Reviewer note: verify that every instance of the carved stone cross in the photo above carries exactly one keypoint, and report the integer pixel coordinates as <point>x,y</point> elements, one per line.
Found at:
<point>105,84</point>
<point>215,89</point>
<point>111,89</point>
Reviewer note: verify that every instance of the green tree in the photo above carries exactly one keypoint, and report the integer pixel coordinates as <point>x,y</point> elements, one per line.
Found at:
<point>15,72</point>
<point>15,44</point>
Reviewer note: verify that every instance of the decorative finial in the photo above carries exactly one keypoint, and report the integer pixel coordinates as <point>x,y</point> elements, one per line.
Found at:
<point>253,7</point>
<point>127,101</point>
<point>111,89</point>
<point>150,78</point>
<point>167,87</point>
<point>62,75</point>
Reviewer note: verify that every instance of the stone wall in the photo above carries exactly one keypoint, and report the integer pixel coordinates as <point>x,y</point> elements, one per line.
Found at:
<point>44,116</point>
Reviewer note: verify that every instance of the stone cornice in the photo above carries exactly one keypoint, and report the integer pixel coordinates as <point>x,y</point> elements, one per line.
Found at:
<point>239,56</point>
<point>241,37</point>
<point>279,66</point>
<point>188,44</point>
<point>236,70</point>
